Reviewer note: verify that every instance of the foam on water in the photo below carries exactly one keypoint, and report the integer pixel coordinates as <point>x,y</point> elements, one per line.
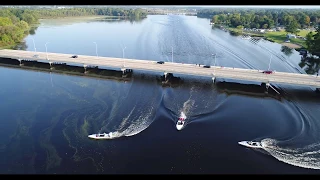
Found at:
<point>134,126</point>
<point>142,123</point>
<point>306,157</point>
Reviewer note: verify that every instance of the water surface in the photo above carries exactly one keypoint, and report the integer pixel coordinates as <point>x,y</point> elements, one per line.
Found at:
<point>46,117</point>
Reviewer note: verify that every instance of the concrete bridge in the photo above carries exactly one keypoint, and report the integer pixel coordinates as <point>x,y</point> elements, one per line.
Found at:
<point>127,65</point>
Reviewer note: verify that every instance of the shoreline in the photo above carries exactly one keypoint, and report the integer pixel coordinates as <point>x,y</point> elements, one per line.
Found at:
<point>292,45</point>
<point>265,37</point>
<point>35,25</point>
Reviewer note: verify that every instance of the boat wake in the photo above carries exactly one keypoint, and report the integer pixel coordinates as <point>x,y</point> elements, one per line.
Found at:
<point>142,123</point>
<point>306,157</point>
<point>186,107</point>
<point>132,125</point>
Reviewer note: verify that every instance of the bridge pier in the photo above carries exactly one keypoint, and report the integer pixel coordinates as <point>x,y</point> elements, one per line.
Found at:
<point>265,85</point>
<point>51,65</point>
<point>167,76</point>
<point>125,72</point>
<point>20,62</point>
<point>85,68</point>
<point>214,80</point>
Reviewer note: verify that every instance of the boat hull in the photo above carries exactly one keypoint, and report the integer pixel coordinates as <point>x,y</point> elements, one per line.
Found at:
<point>94,136</point>
<point>181,121</point>
<point>180,126</point>
<point>247,144</point>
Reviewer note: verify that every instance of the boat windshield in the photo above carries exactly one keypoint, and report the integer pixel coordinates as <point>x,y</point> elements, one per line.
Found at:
<point>101,135</point>
<point>180,123</point>
<point>253,143</point>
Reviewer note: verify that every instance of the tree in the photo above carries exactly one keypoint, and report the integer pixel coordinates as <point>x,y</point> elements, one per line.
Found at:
<point>29,18</point>
<point>316,43</point>
<point>309,38</point>
<point>265,26</point>
<point>307,21</point>
<point>5,21</point>
<point>313,42</point>
<point>292,26</point>
<point>240,27</point>
<point>215,19</point>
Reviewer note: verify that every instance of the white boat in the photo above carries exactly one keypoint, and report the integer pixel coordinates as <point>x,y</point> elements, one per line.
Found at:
<point>181,121</point>
<point>101,136</point>
<point>251,144</point>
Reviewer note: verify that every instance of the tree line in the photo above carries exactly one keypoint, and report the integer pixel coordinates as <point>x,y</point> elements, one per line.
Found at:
<point>15,23</point>
<point>262,18</point>
<point>291,19</point>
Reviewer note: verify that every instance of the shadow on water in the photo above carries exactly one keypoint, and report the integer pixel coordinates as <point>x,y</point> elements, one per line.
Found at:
<point>171,81</point>
<point>91,71</point>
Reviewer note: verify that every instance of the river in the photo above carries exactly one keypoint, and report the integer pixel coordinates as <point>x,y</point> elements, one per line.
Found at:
<point>46,117</point>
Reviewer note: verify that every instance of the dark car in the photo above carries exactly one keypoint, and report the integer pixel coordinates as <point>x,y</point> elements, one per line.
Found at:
<point>74,56</point>
<point>206,66</point>
<point>160,62</point>
<point>267,72</point>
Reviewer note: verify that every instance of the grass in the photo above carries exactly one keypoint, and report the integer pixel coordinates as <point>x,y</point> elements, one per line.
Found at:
<point>304,33</point>
<point>281,36</point>
<point>278,36</point>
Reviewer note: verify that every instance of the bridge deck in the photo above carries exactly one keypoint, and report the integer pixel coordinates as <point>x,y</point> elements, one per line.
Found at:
<point>169,67</point>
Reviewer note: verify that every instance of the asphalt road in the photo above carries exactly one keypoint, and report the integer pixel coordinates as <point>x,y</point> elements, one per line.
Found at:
<point>177,68</point>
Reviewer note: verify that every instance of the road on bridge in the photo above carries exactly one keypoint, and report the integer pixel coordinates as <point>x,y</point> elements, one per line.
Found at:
<point>169,67</point>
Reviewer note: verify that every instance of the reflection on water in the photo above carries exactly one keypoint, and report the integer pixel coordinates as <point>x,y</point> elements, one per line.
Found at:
<point>132,20</point>
<point>89,19</point>
<point>46,117</point>
<point>286,50</point>
<point>21,46</point>
<point>310,65</point>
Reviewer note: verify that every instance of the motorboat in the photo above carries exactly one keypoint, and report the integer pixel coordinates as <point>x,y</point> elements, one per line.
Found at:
<point>102,136</point>
<point>181,121</point>
<point>251,144</point>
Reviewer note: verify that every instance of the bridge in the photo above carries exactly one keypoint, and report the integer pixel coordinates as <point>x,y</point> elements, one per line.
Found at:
<point>126,65</point>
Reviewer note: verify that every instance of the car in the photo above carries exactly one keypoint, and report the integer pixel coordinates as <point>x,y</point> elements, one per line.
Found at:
<point>36,56</point>
<point>74,56</point>
<point>267,72</point>
<point>160,62</point>
<point>206,66</point>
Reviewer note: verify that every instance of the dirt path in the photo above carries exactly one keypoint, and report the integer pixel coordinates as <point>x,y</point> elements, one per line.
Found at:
<point>291,45</point>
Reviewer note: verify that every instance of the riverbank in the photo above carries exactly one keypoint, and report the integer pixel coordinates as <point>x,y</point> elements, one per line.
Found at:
<point>32,28</point>
<point>278,37</point>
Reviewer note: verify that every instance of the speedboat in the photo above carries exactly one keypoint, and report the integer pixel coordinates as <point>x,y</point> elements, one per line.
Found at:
<point>101,136</point>
<point>251,144</point>
<point>181,121</point>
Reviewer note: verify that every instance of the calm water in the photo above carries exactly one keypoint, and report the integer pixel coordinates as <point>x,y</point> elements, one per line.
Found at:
<point>46,117</point>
